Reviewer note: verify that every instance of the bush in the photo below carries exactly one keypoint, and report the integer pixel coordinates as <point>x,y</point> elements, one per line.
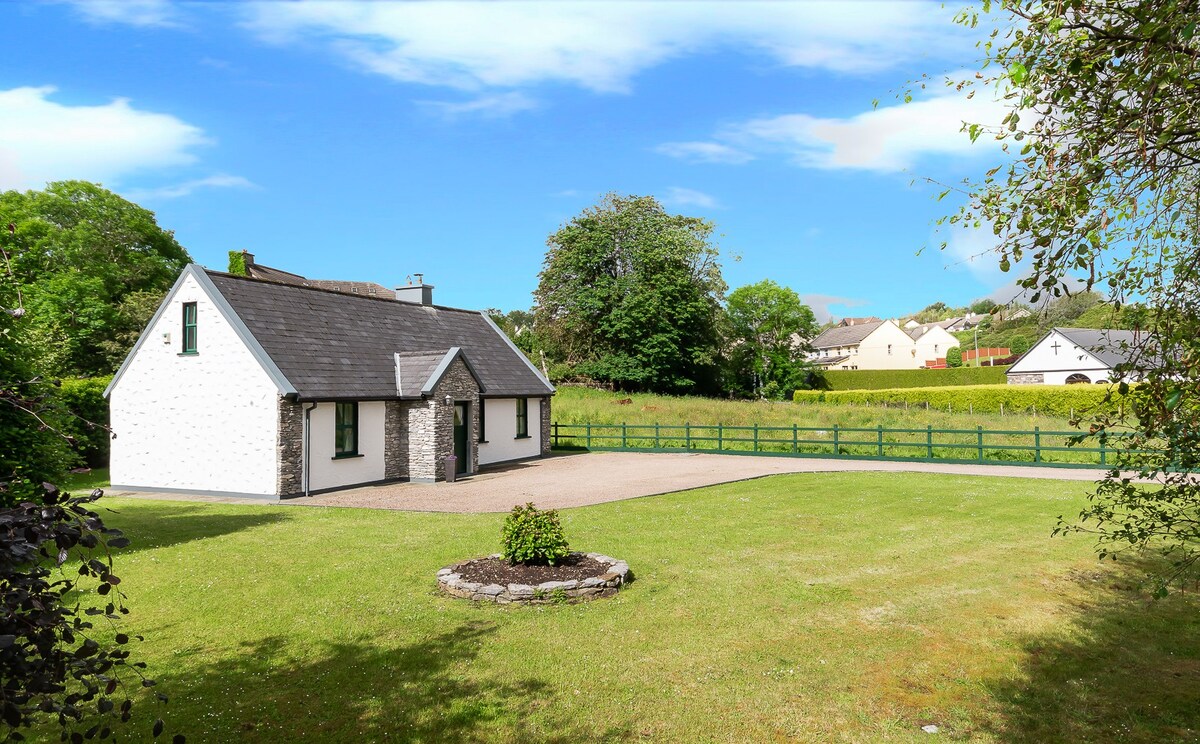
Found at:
<point>887,379</point>
<point>83,398</point>
<point>533,537</point>
<point>1047,400</point>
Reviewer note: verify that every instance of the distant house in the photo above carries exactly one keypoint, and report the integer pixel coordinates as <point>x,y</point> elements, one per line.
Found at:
<point>880,344</point>
<point>1066,356</point>
<point>248,387</point>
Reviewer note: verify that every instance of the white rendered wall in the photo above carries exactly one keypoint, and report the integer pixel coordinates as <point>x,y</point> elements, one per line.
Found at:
<point>500,430</point>
<point>935,343</point>
<point>326,472</point>
<point>873,351</point>
<point>1058,364</point>
<point>207,421</point>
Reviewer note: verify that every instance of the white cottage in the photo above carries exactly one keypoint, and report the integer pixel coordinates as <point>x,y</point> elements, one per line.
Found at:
<point>879,344</point>
<point>1066,356</point>
<point>246,387</point>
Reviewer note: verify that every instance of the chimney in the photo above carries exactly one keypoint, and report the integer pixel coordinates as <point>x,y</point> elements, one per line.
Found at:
<point>417,293</point>
<point>247,257</point>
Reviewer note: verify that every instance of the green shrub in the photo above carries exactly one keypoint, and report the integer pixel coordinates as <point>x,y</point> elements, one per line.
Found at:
<point>533,537</point>
<point>1047,400</point>
<point>887,379</point>
<point>83,398</point>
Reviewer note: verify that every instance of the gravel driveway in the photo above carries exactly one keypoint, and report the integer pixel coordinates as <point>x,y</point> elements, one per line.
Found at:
<point>564,481</point>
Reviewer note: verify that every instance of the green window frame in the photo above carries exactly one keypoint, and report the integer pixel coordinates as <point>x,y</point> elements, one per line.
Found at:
<point>482,421</point>
<point>345,430</point>
<point>189,328</point>
<point>522,418</point>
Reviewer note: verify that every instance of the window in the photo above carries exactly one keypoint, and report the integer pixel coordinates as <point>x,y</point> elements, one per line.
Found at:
<point>889,349</point>
<point>522,418</point>
<point>345,430</point>
<point>482,421</point>
<point>189,328</point>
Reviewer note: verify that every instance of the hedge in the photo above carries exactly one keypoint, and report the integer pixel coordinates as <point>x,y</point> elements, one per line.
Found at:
<point>1050,400</point>
<point>84,400</point>
<point>887,379</point>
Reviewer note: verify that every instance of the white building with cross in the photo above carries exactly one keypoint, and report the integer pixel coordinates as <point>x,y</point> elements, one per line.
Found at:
<point>1067,356</point>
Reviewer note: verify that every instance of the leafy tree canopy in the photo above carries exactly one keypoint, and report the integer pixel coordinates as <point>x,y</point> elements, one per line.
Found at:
<point>92,267</point>
<point>631,295</point>
<point>1104,133</point>
<point>769,330</point>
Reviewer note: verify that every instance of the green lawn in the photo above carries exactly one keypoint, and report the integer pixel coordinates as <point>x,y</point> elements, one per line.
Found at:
<point>830,607</point>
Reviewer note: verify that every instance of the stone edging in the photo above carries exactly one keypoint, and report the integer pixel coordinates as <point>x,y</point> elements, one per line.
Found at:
<point>451,582</point>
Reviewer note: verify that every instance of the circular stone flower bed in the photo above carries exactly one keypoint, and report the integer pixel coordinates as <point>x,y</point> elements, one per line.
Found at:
<point>578,577</point>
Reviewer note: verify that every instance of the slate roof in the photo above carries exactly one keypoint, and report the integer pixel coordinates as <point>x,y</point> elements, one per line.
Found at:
<point>844,335</point>
<point>829,361</point>
<point>271,274</point>
<point>1105,344</point>
<point>333,345</point>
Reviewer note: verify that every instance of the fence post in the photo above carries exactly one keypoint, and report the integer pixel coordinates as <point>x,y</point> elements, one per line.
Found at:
<point>1037,444</point>
<point>979,433</point>
<point>837,451</point>
<point>929,441</point>
<point>879,441</point>
<point>589,435</point>
<point>656,444</point>
<point>720,437</point>
<point>687,436</point>
<point>756,437</point>
<point>1103,449</point>
<point>795,444</point>
<point>555,427</point>
<point>622,435</point>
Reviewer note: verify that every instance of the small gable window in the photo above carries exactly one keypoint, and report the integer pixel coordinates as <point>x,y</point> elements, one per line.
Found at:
<point>189,328</point>
<point>345,430</point>
<point>522,418</point>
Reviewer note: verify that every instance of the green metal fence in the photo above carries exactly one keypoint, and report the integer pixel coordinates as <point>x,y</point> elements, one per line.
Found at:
<point>999,446</point>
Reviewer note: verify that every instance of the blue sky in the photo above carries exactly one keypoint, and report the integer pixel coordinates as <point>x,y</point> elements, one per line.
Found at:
<point>369,141</point>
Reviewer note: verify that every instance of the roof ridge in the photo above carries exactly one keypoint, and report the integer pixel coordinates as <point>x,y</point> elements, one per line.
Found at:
<point>347,295</point>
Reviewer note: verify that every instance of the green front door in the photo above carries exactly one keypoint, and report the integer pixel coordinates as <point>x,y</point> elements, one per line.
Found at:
<point>460,436</point>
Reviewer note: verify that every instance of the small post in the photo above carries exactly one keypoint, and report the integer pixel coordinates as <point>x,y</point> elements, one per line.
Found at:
<point>656,445</point>
<point>795,443</point>
<point>929,441</point>
<point>555,427</point>
<point>720,437</point>
<point>589,435</point>
<point>687,436</point>
<point>622,435</point>
<point>1037,444</point>
<point>1103,449</point>
<point>836,449</point>
<point>1001,408</point>
<point>756,437</point>
<point>979,434</point>
<point>879,429</point>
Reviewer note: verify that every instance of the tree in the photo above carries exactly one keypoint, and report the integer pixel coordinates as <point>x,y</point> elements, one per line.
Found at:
<point>631,295</point>
<point>769,331</point>
<point>1101,189</point>
<point>89,263</point>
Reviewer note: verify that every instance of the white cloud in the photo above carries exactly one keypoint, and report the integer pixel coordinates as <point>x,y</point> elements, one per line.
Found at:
<point>681,197</point>
<point>886,139</point>
<point>821,304</point>
<point>218,181</point>
<point>704,152</point>
<point>495,106</point>
<point>131,12</point>
<point>600,46</point>
<point>41,140</point>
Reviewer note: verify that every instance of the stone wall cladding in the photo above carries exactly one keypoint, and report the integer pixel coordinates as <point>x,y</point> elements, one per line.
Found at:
<point>1031,378</point>
<point>431,425</point>
<point>395,440</point>
<point>289,449</point>
<point>607,584</point>
<point>545,428</point>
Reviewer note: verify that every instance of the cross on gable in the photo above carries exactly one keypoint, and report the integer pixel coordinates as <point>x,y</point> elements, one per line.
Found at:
<point>1056,347</point>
